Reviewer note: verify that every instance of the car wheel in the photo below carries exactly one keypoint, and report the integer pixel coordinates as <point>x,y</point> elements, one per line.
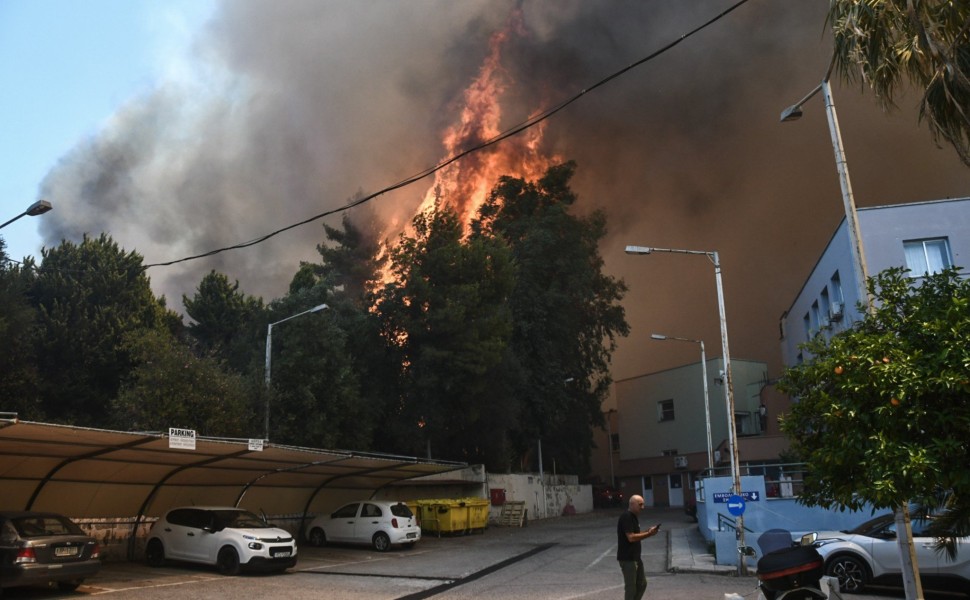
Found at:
<point>382,543</point>
<point>851,571</point>
<point>317,537</point>
<point>155,553</point>
<point>228,561</point>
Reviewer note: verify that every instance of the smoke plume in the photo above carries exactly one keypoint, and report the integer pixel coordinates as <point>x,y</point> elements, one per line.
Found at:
<point>299,105</point>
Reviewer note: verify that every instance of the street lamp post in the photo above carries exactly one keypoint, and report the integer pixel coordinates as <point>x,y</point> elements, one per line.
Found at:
<point>269,347</point>
<point>856,249</point>
<point>37,208</point>
<point>911,583</point>
<point>728,383</point>
<point>707,404</point>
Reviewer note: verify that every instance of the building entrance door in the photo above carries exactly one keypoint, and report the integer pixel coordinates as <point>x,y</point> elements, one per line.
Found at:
<point>676,489</point>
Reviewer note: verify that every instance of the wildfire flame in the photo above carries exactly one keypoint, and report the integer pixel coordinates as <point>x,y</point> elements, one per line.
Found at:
<point>464,185</point>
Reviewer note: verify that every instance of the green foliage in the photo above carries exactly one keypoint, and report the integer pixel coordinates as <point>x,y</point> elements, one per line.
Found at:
<point>315,399</point>
<point>446,316</point>
<point>19,332</point>
<point>565,312</point>
<point>890,43</point>
<point>88,296</point>
<point>225,320</point>
<point>883,410</point>
<point>169,386</point>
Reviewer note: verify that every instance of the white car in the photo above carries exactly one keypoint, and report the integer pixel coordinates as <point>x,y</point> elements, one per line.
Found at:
<point>870,554</point>
<point>230,538</point>
<point>376,523</point>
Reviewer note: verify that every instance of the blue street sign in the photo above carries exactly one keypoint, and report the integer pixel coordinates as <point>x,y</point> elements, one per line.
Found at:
<point>735,505</point>
<point>723,497</point>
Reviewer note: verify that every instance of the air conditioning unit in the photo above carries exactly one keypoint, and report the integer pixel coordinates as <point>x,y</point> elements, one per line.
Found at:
<point>717,457</point>
<point>835,311</point>
<point>680,462</point>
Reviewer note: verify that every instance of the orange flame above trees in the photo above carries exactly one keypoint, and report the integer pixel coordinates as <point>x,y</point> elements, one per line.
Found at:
<point>464,185</point>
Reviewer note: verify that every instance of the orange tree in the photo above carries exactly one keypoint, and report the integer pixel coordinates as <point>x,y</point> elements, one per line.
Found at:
<point>882,410</point>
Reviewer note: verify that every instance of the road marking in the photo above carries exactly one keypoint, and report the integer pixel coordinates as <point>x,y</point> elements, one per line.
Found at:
<point>599,558</point>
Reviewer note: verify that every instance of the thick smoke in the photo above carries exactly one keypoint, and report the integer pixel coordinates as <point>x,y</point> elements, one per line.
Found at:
<point>300,105</point>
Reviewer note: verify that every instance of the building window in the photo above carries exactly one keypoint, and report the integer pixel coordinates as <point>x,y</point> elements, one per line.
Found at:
<point>615,442</point>
<point>665,410</point>
<point>925,257</point>
<point>669,452</point>
<point>836,285</point>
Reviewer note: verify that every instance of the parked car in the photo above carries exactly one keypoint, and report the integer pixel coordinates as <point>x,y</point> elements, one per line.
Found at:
<point>870,554</point>
<point>232,539</point>
<point>605,496</point>
<point>378,524</point>
<point>45,548</point>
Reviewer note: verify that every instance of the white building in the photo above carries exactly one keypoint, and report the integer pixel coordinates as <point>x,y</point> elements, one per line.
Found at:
<point>661,431</point>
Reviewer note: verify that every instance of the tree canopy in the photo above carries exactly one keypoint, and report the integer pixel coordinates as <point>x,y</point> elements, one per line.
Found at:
<point>889,43</point>
<point>882,411</point>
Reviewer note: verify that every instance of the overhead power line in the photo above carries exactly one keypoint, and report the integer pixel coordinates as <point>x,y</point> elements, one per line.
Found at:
<point>514,130</point>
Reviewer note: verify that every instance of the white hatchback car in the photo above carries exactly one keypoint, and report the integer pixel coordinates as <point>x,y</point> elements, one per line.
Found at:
<point>376,523</point>
<point>870,554</point>
<point>230,538</point>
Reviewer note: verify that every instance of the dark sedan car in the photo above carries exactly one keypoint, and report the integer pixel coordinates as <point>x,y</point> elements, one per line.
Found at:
<point>45,548</point>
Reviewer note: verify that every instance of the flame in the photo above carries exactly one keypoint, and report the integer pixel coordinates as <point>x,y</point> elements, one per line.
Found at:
<point>464,185</point>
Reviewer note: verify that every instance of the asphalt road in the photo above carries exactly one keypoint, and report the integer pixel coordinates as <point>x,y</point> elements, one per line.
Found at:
<point>569,558</point>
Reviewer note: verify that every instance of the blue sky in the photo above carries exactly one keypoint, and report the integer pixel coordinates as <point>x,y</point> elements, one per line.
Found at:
<point>65,68</point>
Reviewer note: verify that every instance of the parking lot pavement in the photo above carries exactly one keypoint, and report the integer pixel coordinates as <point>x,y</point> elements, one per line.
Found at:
<point>565,558</point>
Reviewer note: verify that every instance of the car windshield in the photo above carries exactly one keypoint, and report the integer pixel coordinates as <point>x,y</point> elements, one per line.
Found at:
<point>239,519</point>
<point>45,525</point>
<point>401,510</point>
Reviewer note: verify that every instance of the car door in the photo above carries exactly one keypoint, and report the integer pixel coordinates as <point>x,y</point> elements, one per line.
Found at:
<point>175,533</point>
<point>342,522</point>
<point>196,537</point>
<point>927,557</point>
<point>886,552</point>
<point>370,522</point>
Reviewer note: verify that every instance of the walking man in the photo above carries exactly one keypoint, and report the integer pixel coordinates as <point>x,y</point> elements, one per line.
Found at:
<point>628,538</point>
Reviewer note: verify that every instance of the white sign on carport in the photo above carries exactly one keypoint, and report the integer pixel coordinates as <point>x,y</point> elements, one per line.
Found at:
<point>89,473</point>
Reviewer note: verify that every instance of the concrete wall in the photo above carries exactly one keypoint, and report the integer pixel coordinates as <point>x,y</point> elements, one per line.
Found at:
<point>548,496</point>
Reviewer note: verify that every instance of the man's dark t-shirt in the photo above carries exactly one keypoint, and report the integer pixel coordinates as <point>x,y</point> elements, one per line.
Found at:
<point>625,549</point>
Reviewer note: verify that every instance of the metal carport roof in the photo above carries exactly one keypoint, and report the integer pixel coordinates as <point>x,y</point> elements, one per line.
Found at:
<point>84,472</point>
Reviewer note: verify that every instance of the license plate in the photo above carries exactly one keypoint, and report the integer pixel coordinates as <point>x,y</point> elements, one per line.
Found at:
<point>282,554</point>
<point>66,551</point>
<point>412,535</point>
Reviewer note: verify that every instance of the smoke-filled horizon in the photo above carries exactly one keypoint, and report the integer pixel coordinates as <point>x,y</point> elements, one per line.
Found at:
<point>296,107</point>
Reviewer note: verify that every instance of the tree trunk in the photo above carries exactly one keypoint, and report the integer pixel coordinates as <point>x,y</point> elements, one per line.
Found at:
<point>907,554</point>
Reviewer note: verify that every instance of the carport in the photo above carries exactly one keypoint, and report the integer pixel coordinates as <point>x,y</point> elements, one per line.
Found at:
<point>83,472</point>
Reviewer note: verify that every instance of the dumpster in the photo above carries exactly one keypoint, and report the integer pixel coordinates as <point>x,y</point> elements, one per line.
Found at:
<point>477,513</point>
<point>455,516</point>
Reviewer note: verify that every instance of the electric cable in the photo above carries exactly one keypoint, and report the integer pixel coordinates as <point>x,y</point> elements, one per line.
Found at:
<point>514,130</point>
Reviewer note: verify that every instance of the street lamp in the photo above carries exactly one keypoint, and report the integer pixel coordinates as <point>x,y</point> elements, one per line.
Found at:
<point>728,387</point>
<point>269,346</point>
<point>37,208</point>
<point>707,404</point>
<point>911,583</point>
<point>793,113</point>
